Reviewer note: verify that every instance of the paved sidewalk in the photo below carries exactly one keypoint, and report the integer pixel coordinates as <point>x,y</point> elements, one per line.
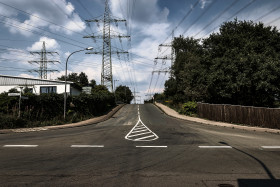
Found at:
<point>70,125</point>
<point>173,113</point>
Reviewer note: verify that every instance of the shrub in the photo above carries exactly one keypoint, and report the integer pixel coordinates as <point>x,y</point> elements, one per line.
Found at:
<point>189,108</point>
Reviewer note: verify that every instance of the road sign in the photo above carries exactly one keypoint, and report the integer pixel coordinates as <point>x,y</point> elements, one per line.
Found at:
<point>87,90</point>
<point>23,97</point>
<point>13,94</point>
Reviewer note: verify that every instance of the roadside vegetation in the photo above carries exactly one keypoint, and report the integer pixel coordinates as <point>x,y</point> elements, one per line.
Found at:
<point>239,65</point>
<point>47,109</point>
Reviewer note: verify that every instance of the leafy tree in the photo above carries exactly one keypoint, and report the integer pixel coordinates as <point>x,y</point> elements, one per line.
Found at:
<point>83,79</point>
<point>238,65</point>
<point>244,64</point>
<point>124,94</point>
<point>99,89</point>
<point>13,90</point>
<point>92,83</point>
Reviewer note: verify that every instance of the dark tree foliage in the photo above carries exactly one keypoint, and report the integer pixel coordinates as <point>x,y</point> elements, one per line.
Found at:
<point>238,65</point>
<point>123,94</point>
<point>81,79</point>
<point>92,83</point>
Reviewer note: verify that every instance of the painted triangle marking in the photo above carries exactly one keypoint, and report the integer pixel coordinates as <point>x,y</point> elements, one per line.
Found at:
<point>140,132</point>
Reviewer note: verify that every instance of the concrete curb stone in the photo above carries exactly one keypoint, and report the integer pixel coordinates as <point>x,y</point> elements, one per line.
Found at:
<point>71,125</point>
<point>170,112</point>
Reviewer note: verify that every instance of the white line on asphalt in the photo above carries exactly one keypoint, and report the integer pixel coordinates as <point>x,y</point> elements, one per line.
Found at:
<point>83,146</point>
<point>142,138</point>
<point>140,130</point>
<point>20,146</point>
<point>271,147</point>
<point>139,134</point>
<point>139,125</point>
<point>159,146</point>
<point>215,147</point>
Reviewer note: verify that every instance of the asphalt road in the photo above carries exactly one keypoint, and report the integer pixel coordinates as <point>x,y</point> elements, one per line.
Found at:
<point>145,148</point>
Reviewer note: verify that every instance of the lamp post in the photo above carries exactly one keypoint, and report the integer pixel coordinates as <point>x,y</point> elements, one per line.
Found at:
<point>65,95</point>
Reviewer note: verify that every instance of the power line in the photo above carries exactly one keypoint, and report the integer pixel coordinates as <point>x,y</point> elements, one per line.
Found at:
<point>194,22</point>
<point>39,18</point>
<point>217,17</point>
<point>236,13</point>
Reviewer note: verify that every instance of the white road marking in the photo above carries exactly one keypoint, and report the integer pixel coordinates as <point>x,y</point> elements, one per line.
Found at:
<point>20,146</point>
<point>156,146</point>
<point>216,147</point>
<point>138,134</point>
<point>271,147</point>
<point>141,129</point>
<point>144,138</point>
<point>83,146</point>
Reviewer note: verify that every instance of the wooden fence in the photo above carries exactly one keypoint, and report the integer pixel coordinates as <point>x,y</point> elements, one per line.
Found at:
<point>254,116</point>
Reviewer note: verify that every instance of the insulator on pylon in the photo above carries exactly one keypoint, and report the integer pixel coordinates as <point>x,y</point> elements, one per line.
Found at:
<point>163,61</point>
<point>117,24</point>
<point>98,25</point>
<point>155,62</point>
<point>120,39</point>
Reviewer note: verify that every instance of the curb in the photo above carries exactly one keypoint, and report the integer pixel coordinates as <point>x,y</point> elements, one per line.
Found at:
<point>215,123</point>
<point>70,125</point>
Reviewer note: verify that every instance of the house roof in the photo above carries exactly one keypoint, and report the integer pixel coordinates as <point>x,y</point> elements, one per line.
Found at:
<point>6,80</point>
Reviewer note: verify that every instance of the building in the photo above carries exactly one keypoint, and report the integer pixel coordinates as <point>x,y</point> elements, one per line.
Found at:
<point>37,86</point>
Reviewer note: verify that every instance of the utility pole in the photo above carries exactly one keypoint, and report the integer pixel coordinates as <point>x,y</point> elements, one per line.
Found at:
<point>107,20</point>
<point>43,62</point>
<point>168,57</point>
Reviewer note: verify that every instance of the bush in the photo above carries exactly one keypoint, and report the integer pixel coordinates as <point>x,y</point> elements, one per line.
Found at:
<point>189,108</point>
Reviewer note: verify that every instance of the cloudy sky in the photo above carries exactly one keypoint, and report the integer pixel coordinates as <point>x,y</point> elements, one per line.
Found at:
<point>25,24</point>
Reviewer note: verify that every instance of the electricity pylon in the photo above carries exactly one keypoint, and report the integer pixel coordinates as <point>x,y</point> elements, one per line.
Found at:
<point>167,57</point>
<point>43,62</point>
<point>107,20</point>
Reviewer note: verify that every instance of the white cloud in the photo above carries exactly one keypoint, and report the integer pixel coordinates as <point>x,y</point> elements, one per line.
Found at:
<point>58,12</point>
<point>144,11</point>
<point>203,3</point>
<point>51,44</point>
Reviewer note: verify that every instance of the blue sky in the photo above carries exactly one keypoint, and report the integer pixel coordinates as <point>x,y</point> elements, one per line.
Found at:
<point>25,24</point>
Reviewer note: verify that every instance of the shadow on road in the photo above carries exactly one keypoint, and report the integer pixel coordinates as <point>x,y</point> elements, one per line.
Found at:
<point>272,182</point>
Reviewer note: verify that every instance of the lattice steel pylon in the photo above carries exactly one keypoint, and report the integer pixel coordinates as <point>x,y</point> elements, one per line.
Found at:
<point>43,62</point>
<point>167,57</point>
<point>106,72</point>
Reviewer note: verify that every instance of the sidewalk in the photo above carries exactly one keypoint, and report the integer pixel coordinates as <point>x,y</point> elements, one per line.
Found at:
<point>173,113</point>
<point>70,125</point>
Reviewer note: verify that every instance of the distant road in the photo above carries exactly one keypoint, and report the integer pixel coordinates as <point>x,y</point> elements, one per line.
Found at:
<point>140,148</point>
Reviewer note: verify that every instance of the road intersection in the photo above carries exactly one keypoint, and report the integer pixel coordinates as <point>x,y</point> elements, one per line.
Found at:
<point>184,154</point>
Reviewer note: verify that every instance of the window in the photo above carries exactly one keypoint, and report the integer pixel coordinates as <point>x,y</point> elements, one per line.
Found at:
<point>48,89</point>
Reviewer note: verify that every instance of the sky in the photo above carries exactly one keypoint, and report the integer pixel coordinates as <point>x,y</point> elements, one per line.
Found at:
<point>25,24</point>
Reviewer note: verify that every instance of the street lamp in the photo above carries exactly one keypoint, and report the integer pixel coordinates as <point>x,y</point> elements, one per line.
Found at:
<point>65,95</point>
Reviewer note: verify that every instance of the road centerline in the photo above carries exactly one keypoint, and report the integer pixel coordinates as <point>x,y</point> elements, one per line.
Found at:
<point>24,146</point>
<point>86,146</point>
<point>215,147</point>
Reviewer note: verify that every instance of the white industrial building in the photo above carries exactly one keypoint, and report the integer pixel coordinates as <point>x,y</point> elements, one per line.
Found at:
<point>36,86</point>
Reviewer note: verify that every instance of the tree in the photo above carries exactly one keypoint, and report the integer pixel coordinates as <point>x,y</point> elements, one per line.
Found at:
<point>83,79</point>
<point>92,83</point>
<point>124,94</point>
<point>100,89</point>
<point>244,64</point>
<point>238,65</point>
